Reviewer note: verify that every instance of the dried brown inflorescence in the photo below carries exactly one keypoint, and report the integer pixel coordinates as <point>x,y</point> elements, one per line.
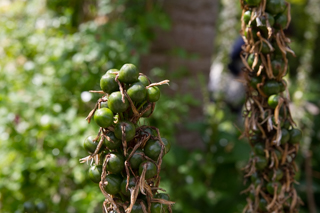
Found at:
<point>268,122</point>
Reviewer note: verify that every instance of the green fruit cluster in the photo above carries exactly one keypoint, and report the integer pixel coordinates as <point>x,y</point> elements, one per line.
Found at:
<point>269,125</point>
<point>265,60</point>
<point>124,151</point>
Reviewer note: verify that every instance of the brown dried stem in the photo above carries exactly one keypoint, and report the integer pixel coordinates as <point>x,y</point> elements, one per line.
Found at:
<point>121,88</point>
<point>99,91</point>
<point>158,84</point>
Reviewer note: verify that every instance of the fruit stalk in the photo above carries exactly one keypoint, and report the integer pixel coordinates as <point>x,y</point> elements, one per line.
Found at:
<point>268,123</point>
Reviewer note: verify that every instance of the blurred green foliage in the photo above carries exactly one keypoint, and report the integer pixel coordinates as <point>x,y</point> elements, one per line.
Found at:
<point>52,53</point>
<point>48,63</point>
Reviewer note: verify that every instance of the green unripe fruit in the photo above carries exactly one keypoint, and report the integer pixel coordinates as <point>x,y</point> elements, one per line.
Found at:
<point>285,136</point>
<point>136,159</point>
<point>162,196</point>
<point>167,145</point>
<point>259,149</point>
<point>278,176</point>
<point>151,169</point>
<point>271,87</point>
<point>252,3</point>
<point>112,72</point>
<point>254,177</point>
<point>261,23</point>
<point>149,131</point>
<point>261,162</point>
<point>108,83</point>
<point>250,60</point>
<point>152,149</point>
<point>132,183</point>
<point>159,207</point>
<point>254,81</point>
<point>129,130</point>
<point>144,80</point>
<point>148,112</point>
<point>277,67</point>
<point>252,195</point>
<point>102,157</point>
<point>271,186</point>
<point>95,173</point>
<point>263,205</point>
<point>255,138</point>
<point>115,102</point>
<point>104,104</point>
<point>113,184</point>
<point>128,74</point>
<point>257,182</point>
<point>153,94</point>
<point>137,208</point>
<point>254,32</point>
<point>278,154</point>
<point>268,17</point>
<point>247,16</point>
<point>282,85</point>
<point>112,142</point>
<point>115,163</point>
<point>295,136</point>
<point>137,92</point>
<point>273,101</point>
<point>281,21</point>
<point>89,144</point>
<point>103,117</point>
<point>264,48</point>
<point>286,124</point>
<point>275,6</point>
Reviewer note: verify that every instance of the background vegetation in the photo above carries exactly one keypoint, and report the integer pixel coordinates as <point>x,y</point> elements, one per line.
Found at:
<point>52,53</point>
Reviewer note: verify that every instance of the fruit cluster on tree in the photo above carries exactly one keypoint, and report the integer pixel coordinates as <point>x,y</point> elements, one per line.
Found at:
<point>268,124</point>
<point>127,156</point>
